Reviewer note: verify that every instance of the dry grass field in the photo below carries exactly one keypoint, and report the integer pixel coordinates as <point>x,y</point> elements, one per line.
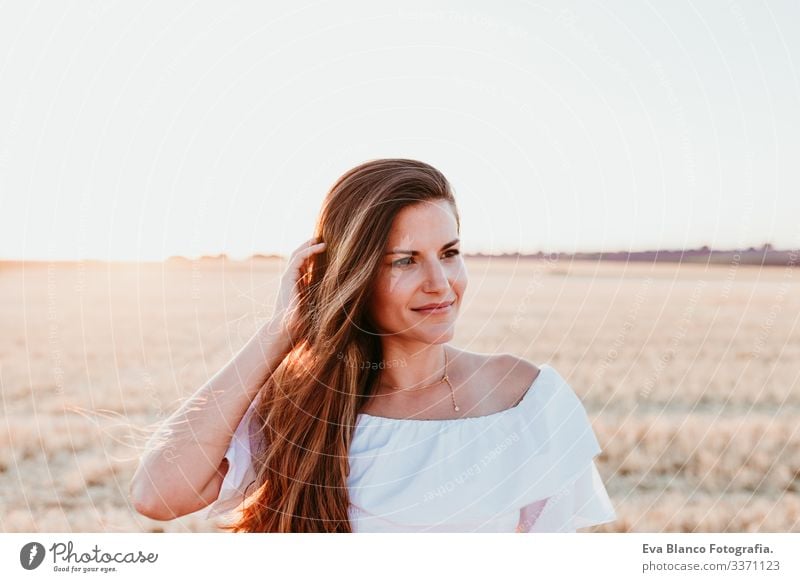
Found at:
<point>689,374</point>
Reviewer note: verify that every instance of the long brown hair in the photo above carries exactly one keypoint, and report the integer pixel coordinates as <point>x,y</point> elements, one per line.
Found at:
<point>309,405</point>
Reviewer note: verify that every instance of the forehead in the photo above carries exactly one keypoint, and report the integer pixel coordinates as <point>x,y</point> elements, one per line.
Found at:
<point>423,223</point>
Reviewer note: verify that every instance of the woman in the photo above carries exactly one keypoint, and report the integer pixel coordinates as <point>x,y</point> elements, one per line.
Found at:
<point>350,411</point>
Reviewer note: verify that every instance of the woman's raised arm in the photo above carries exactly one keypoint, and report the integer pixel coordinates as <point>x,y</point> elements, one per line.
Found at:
<point>183,466</point>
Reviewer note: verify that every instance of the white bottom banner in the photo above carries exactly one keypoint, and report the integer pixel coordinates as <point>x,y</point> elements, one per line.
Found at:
<point>406,557</point>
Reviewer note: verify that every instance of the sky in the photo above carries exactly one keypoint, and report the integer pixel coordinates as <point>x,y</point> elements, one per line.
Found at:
<point>143,130</point>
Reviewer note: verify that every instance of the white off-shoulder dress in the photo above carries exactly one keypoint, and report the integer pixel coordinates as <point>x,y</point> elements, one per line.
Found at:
<point>529,468</point>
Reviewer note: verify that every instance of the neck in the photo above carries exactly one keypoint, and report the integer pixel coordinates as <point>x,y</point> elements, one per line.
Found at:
<point>407,367</point>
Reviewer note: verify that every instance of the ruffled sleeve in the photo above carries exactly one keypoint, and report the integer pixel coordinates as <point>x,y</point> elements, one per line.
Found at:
<point>581,503</point>
<point>581,500</point>
<point>241,473</point>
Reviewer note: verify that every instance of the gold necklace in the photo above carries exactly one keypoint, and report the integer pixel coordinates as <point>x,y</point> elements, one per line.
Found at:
<point>445,378</point>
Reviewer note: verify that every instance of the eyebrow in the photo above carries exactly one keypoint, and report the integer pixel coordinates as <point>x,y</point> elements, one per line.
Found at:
<point>415,253</point>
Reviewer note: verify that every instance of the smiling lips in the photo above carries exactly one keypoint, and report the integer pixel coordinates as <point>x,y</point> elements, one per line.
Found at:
<point>437,308</point>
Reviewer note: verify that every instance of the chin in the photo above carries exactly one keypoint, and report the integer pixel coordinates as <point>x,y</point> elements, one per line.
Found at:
<point>444,336</point>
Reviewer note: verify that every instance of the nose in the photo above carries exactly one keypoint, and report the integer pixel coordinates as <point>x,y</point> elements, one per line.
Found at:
<point>436,279</point>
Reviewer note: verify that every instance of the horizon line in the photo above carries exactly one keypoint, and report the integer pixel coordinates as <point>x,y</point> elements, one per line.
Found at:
<point>764,249</point>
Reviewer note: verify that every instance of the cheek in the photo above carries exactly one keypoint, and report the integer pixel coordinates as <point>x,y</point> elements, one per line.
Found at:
<point>393,293</point>
<point>460,279</point>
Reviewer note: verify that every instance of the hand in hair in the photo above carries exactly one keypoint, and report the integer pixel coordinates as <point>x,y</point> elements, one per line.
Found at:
<point>287,302</point>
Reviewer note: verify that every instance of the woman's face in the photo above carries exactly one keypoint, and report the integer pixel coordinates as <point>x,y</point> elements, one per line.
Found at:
<point>422,265</point>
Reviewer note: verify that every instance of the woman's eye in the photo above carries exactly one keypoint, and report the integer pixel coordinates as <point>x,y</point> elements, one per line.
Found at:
<point>404,263</point>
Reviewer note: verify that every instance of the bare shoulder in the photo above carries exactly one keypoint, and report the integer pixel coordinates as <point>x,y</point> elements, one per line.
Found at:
<point>511,374</point>
<point>512,378</point>
<point>506,364</point>
<point>518,370</point>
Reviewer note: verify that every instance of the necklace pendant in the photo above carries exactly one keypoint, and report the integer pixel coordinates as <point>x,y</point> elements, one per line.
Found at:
<point>457,409</point>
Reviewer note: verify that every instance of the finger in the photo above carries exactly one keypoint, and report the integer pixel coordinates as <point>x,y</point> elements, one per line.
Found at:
<point>304,246</point>
<point>308,251</point>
